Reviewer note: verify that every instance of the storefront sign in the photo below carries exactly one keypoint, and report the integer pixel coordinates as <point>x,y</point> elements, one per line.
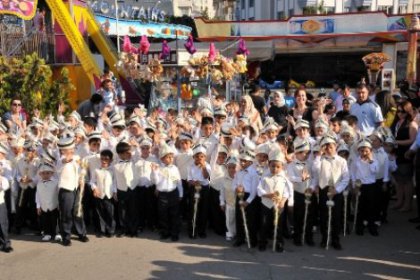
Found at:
<point>24,9</point>
<point>127,11</point>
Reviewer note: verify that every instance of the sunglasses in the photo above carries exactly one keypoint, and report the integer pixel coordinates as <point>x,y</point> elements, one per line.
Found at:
<point>16,104</point>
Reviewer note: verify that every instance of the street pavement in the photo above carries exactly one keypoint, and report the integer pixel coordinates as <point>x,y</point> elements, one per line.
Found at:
<point>395,254</point>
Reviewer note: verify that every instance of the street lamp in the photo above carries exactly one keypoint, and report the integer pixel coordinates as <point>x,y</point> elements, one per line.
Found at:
<point>412,50</point>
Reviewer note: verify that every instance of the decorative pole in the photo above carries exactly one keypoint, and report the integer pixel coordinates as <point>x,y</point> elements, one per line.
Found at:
<point>412,50</point>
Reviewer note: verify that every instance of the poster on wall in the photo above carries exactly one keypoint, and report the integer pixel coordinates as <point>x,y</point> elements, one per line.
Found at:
<point>388,79</point>
<point>24,9</point>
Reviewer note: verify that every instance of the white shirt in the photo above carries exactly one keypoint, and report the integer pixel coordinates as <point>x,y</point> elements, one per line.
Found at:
<point>167,179</point>
<point>183,160</point>
<point>270,184</point>
<point>368,115</point>
<point>6,167</point>
<point>227,193</point>
<point>46,196</point>
<point>196,174</point>
<point>383,164</point>
<point>329,171</point>
<point>217,172</point>
<point>103,181</point>
<point>93,162</point>
<point>364,171</point>
<point>4,186</point>
<point>68,174</point>
<point>29,169</point>
<point>294,173</point>
<point>339,101</point>
<point>249,179</point>
<point>124,175</point>
<point>143,170</point>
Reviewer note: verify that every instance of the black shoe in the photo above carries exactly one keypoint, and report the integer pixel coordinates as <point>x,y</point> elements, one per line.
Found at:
<point>262,248</point>
<point>99,235</point>
<point>164,236</point>
<point>297,242</point>
<point>310,242</point>
<point>175,238</point>
<point>415,220</point>
<point>66,242</point>
<point>238,243</point>
<point>373,231</point>
<point>83,239</point>
<point>336,245</point>
<point>7,249</point>
<point>279,248</point>
<point>202,235</point>
<point>120,234</point>
<point>109,235</point>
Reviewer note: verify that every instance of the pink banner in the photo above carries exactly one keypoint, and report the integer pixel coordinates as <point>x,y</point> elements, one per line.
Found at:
<point>24,9</point>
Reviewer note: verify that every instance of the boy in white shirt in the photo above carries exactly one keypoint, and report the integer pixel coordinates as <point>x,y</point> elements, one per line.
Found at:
<point>104,191</point>
<point>168,183</point>
<point>183,160</point>
<point>274,192</point>
<point>227,197</point>
<point>199,179</point>
<point>364,169</point>
<point>47,202</point>
<point>5,244</point>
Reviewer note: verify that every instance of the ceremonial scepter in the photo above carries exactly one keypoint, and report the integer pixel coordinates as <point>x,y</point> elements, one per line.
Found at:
<point>277,200</point>
<point>358,185</point>
<point>83,172</point>
<point>330,205</point>
<point>241,195</point>
<point>345,194</point>
<point>197,188</point>
<point>307,202</point>
<point>24,180</point>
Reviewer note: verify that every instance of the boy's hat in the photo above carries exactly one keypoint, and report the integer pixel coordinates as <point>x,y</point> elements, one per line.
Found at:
<point>165,149</point>
<point>37,123</point>
<point>80,130</point>
<point>199,148</point>
<point>390,140</point>
<point>50,137</point>
<point>321,124</point>
<point>277,155</point>
<point>247,144</point>
<point>301,123</point>
<point>186,136</point>
<point>206,111</point>
<point>95,135</point>
<point>47,156</point>
<point>327,139</point>
<point>225,130</point>
<point>29,144</point>
<point>245,120</point>
<point>17,142</point>
<point>116,120</point>
<point>146,141</point>
<point>134,119</point>
<point>232,160</point>
<point>76,116</point>
<point>316,147</point>
<point>220,111</point>
<point>66,142</point>
<point>247,155</point>
<point>301,145</point>
<point>342,147</point>
<point>45,167</point>
<point>224,149</point>
<point>377,134</point>
<point>263,149</point>
<point>3,148</point>
<point>364,143</point>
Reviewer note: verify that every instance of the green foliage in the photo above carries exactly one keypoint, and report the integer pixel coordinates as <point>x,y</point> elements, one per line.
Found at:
<point>30,80</point>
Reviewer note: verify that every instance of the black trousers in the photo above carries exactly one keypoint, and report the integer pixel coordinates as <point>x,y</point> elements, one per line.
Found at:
<point>90,214</point>
<point>168,209</point>
<point>8,201</point>
<point>4,227</point>
<point>217,216</point>
<point>299,216</point>
<point>128,208</point>
<point>337,213</point>
<point>185,206</point>
<point>368,205</point>
<point>147,207</point>
<point>26,209</point>
<point>66,201</point>
<point>384,197</point>
<point>202,210</point>
<point>418,181</point>
<point>267,226</point>
<point>105,210</point>
<point>49,221</point>
<point>251,214</point>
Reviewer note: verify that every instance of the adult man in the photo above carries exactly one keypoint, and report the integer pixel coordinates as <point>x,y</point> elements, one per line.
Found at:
<point>259,102</point>
<point>345,93</point>
<point>368,113</point>
<point>90,107</point>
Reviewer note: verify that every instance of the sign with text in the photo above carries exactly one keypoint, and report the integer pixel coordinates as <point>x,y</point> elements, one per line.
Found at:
<point>24,9</point>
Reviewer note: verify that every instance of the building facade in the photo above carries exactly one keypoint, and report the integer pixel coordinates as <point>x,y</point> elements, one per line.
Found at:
<point>281,9</point>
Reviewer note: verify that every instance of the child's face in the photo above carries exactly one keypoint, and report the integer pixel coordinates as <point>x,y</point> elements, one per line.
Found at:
<point>105,161</point>
<point>302,132</point>
<point>262,158</point>
<point>271,134</point>
<point>45,143</point>
<point>329,149</point>
<point>245,163</point>
<point>221,158</point>
<point>364,152</point>
<point>346,137</point>
<point>207,130</point>
<point>78,139</point>
<point>94,146</point>
<point>228,141</point>
<point>134,128</point>
<point>145,151</point>
<point>116,131</point>
<point>302,156</point>
<point>185,145</point>
<point>376,143</point>
<point>199,159</point>
<point>168,159</point>
<point>275,167</point>
<point>30,153</point>
<point>72,121</point>
<point>67,153</point>
<point>46,175</point>
<point>335,126</point>
<point>125,155</point>
<point>231,168</point>
<point>319,131</point>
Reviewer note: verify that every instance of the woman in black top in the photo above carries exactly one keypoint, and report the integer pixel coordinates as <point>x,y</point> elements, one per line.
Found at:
<point>278,110</point>
<point>404,129</point>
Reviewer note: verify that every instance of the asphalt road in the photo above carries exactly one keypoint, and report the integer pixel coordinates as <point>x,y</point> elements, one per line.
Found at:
<point>395,254</point>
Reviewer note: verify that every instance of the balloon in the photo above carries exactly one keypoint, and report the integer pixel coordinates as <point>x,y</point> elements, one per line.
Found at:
<point>189,45</point>
<point>166,51</point>
<point>212,52</point>
<point>144,45</point>
<point>242,49</point>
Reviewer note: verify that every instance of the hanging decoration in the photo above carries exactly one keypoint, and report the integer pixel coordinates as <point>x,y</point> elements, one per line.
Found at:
<point>166,51</point>
<point>374,63</point>
<point>189,45</point>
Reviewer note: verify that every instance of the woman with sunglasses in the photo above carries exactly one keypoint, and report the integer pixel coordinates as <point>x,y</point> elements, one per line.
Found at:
<point>404,129</point>
<point>15,119</point>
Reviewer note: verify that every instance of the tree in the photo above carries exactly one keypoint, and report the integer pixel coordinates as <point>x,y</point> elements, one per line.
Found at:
<point>30,80</point>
